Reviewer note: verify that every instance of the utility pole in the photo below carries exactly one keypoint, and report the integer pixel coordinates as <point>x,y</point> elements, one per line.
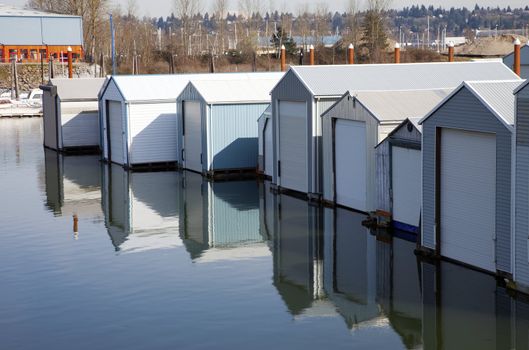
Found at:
<point>113,46</point>
<point>428,35</point>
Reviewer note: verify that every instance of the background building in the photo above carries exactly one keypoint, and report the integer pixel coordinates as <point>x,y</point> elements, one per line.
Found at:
<point>28,34</point>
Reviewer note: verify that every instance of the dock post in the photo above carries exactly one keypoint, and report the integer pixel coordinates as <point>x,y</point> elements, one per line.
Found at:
<point>70,64</point>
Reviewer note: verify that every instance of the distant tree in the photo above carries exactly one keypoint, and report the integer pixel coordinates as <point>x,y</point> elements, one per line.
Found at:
<point>280,37</point>
<point>374,37</point>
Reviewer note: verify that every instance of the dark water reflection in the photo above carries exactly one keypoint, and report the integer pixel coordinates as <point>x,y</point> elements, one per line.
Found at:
<point>170,260</point>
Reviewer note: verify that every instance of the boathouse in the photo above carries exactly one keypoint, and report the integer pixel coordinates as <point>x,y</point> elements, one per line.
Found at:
<point>352,128</point>
<point>398,175</point>
<point>466,175</point>
<point>138,118</point>
<point>305,92</point>
<point>265,159</point>
<point>524,61</point>
<point>521,189</point>
<point>71,120</point>
<point>218,127</point>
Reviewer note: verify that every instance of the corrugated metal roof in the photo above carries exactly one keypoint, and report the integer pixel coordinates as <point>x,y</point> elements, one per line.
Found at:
<point>247,88</point>
<point>399,105</point>
<point>165,86</point>
<point>335,80</point>
<point>72,89</point>
<point>12,11</point>
<point>498,96</point>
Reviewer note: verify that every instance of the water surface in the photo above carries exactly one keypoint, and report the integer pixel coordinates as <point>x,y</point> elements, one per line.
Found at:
<point>168,260</point>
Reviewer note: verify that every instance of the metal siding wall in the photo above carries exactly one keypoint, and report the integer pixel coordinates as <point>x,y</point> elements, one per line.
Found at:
<point>290,88</point>
<point>188,94</point>
<point>21,31</point>
<point>234,135</point>
<point>525,71</point>
<point>385,129</point>
<point>62,31</point>
<point>261,122</point>
<point>465,111</point>
<point>152,128</point>
<point>524,59</point>
<point>521,222</point>
<point>322,106</point>
<point>80,124</point>
<point>346,109</point>
<point>111,94</point>
<point>383,201</point>
<point>49,123</point>
<point>383,165</point>
<point>403,134</point>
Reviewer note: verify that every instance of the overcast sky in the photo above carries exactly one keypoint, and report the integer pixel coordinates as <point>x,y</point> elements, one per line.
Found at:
<point>164,7</point>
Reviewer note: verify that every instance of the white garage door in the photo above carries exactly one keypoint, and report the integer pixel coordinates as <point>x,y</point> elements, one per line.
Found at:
<point>406,184</point>
<point>115,133</point>
<point>268,148</point>
<point>152,132</point>
<point>192,136</point>
<point>350,164</point>
<point>468,197</point>
<point>293,145</point>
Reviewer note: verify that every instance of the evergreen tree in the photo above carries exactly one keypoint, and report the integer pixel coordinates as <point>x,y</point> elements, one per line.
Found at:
<point>280,37</point>
<point>374,37</point>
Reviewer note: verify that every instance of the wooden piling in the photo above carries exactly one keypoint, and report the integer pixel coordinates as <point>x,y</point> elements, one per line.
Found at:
<point>351,54</point>
<point>70,63</point>
<point>283,58</point>
<point>517,57</point>
<point>75,224</point>
<point>450,52</point>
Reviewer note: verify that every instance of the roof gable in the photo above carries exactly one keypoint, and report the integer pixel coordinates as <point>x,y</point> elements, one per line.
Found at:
<point>496,96</point>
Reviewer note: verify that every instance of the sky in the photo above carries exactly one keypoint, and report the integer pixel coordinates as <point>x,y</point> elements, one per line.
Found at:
<point>158,8</point>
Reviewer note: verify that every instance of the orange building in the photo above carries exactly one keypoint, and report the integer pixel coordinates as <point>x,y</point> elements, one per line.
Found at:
<point>29,35</point>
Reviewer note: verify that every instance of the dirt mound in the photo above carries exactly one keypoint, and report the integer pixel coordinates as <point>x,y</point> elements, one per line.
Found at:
<point>492,46</point>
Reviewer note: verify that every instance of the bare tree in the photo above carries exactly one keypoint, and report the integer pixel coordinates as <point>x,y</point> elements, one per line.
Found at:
<point>321,20</point>
<point>220,9</point>
<point>185,9</point>
<point>352,20</point>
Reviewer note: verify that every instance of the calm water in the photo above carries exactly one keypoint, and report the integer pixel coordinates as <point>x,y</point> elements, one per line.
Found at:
<point>168,260</point>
